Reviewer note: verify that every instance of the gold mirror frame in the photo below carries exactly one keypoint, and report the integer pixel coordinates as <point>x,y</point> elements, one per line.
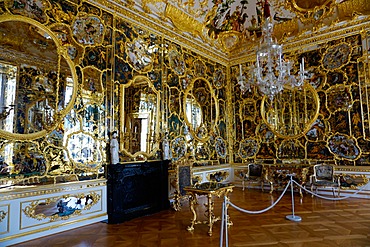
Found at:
<point>124,134</point>
<point>213,118</point>
<point>62,51</point>
<point>307,123</point>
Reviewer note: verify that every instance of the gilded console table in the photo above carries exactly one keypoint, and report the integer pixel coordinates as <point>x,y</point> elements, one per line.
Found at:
<point>209,189</point>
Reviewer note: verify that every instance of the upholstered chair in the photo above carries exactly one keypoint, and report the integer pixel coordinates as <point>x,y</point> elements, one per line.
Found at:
<point>323,177</point>
<point>255,174</point>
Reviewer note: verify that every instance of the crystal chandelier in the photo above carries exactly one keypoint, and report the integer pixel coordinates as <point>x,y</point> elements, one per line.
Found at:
<point>271,71</point>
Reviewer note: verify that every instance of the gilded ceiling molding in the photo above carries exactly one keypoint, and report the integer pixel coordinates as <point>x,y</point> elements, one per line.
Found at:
<point>286,29</point>
<point>230,40</point>
<point>145,3</point>
<point>182,21</point>
<point>311,11</point>
<point>306,40</point>
<point>149,23</point>
<point>352,8</point>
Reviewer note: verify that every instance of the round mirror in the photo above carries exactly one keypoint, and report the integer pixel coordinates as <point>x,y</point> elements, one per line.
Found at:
<point>201,109</point>
<point>35,72</point>
<point>292,112</point>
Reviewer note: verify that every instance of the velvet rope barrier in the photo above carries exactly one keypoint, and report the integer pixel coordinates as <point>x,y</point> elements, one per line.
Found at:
<point>293,217</point>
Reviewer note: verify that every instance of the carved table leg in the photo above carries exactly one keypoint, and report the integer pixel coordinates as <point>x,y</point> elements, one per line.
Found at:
<point>210,214</point>
<point>229,222</point>
<point>192,202</point>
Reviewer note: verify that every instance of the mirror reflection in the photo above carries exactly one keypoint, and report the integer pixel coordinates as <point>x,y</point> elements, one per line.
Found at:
<point>201,109</point>
<point>193,112</point>
<point>33,80</point>
<point>139,118</point>
<point>37,89</point>
<point>291,113</point>
<point>8,77</point>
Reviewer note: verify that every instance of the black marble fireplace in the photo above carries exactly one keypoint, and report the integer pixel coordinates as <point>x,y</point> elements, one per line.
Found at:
<point>136,189</point>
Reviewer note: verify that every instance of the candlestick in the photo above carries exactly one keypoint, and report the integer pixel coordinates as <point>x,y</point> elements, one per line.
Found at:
<point>240,70</point>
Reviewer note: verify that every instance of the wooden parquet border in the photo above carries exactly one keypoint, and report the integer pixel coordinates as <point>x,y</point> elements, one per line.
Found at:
<point>324,223</point>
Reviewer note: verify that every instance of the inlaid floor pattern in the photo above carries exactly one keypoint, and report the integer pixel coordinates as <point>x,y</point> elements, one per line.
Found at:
<point>324,223</point>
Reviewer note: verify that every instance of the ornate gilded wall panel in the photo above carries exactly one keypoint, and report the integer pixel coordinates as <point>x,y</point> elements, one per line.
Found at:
<point>101,51</point>
<point>338,73</point>
<point>63,68</point>
<point>195,95</point>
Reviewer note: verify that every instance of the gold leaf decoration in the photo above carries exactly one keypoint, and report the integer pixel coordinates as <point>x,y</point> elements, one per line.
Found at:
<point>183,21</point>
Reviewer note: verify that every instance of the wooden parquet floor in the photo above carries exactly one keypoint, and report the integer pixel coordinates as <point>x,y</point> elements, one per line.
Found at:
<point>324,223</point>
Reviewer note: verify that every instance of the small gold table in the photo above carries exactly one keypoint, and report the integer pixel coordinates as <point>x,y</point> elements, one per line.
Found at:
<point>209,189</point>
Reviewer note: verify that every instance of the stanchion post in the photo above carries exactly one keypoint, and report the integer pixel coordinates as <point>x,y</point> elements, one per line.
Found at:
<point>223,222</point>
<point>226,222</point>
<point>292,217</point>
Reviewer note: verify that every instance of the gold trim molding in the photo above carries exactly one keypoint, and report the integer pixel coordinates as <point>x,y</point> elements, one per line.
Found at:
<point>30,191</point>
<point>183,21</point>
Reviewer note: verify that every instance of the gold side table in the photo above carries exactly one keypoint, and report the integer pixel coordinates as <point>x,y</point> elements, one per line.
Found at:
<point>209,189</point>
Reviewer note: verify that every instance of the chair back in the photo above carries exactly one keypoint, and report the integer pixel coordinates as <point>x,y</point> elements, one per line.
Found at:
<point>255,170</point>
<point>184,176</point>
<point>324,172</point>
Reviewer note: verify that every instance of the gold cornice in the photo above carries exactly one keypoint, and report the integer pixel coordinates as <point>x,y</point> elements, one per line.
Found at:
<point>309,39</point>
<point>171,33</point>
<point>326,34</point>
<point>348,9</point>
<point>182,21</point>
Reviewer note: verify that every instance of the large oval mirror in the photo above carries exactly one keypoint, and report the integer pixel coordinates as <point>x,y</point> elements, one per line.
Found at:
<point>292,112</point>
<point>139,119</point>
<point>201,109</point>
<point>36,79</point>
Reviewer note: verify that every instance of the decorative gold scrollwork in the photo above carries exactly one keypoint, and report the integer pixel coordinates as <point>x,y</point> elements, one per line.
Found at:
<point>291,113</point>
<point>61,207</point>
<point>139,118</point>
<point>201,108</point>
<point>43,75</point>
<point>309,11</point>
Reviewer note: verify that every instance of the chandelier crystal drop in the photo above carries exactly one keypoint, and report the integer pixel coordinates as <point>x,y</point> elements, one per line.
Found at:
<point>271,71</point>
